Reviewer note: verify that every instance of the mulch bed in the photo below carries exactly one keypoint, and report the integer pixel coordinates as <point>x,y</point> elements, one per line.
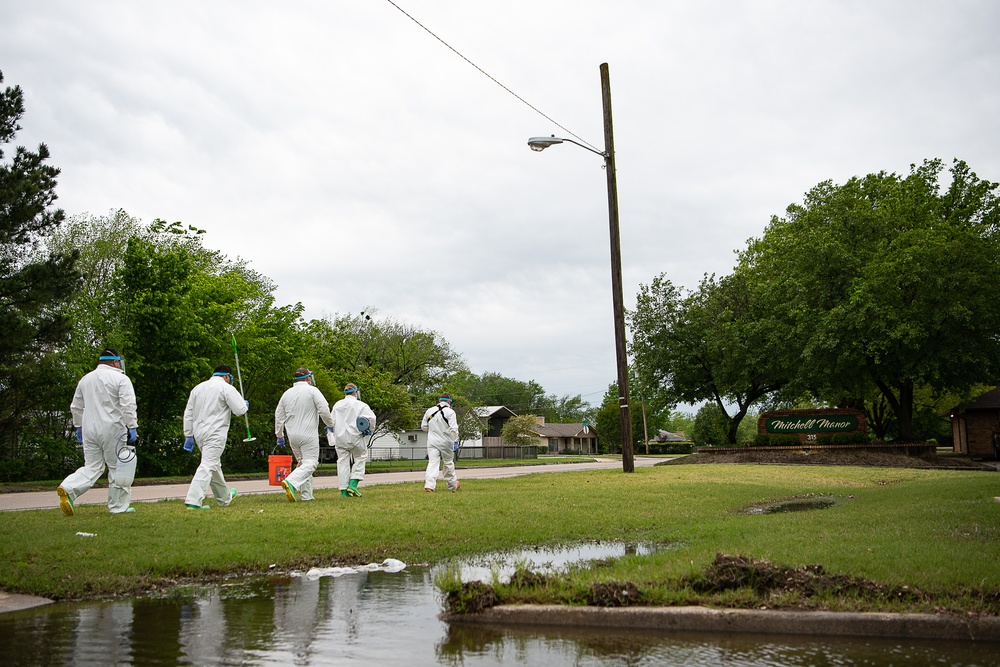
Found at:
<point>836,457</point>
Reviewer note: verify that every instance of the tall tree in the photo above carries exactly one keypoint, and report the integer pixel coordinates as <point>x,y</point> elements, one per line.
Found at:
<point>520,431</point>
<point>719,343</point>
<point>607,420</point>
<point>33,287</point>
<point>398,367</point>
<point>888,281</point>
<point>523,397</point>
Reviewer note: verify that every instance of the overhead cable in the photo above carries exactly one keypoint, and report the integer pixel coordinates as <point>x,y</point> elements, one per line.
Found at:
<point>491,78</point>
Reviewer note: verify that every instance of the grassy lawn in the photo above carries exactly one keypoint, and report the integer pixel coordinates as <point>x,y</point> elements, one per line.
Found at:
<point>934,531</point>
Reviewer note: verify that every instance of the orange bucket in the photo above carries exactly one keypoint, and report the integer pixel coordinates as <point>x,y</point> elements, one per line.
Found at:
<point>278,468</point>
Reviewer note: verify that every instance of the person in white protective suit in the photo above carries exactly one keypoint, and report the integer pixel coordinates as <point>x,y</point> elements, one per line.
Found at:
<point>441,425</point>
<point>104,415</point>
<point>297,416</point>
<point>349,439</point>
<point>206,423</point>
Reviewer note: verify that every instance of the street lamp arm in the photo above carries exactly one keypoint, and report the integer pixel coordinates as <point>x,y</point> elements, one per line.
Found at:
<point>541,143</point>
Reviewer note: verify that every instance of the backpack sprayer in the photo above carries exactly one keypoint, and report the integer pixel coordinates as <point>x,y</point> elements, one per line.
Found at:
<point>249,437</point>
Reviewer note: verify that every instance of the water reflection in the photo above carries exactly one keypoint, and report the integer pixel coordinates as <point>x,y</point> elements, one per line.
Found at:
<point>582,647</point>
<point>381,618</point>
<point>500,566</point>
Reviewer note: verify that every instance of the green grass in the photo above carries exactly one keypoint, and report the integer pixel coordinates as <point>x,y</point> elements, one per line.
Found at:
<point>935,530</point>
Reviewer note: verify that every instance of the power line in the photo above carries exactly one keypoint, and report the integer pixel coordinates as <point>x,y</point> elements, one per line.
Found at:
<point>491,78</point>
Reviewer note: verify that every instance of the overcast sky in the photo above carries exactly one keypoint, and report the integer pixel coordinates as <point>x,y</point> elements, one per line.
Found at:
<point>358,161</point>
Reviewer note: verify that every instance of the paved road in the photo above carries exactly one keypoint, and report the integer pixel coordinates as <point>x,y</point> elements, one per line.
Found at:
<point>152,493</point>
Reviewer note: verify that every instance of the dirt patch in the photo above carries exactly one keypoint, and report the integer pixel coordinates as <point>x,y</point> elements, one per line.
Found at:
<point>471,598</point>
<point>523,578</point>
<point>728,573</point>
<point>615,594</point>
<point>834,457</point>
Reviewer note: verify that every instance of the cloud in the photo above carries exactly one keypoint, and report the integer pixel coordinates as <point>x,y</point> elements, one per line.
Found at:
<point>358,161</point>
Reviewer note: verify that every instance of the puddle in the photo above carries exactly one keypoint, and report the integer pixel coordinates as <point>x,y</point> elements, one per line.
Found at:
<point>498,567</point>
<point>793,505</point>
<point>372,617</point>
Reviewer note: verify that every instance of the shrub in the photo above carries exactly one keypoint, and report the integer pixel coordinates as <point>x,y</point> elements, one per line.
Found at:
<point>776,439</point>
<point>669,448</point>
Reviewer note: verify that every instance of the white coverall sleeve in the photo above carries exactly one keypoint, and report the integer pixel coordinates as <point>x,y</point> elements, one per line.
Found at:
<point>279,418</point>
<point>189,417</point>
<point>452,424</point>
<point>236,403</point>
<point>322,408</point>
<point>424,421</point>
<point>126,399</point>
<point>76,407</point>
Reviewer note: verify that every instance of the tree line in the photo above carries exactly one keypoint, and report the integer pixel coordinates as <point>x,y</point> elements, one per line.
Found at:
<point>174,308</point>
<point>877,294</point>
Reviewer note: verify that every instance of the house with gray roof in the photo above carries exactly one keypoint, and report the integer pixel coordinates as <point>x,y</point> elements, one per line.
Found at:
<point>567,438</point>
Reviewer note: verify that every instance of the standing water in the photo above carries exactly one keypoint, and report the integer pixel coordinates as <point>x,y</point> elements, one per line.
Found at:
<point>390,617</point>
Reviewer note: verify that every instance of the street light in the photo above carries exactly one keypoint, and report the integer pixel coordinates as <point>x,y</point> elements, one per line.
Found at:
<point>540,144</point>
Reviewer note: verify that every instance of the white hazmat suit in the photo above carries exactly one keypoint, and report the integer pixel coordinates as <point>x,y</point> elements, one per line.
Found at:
<point>104,405</point>
<point>206,419</point>
<point>349,441</point>
<point>297,415</point>
<point>441,425</point>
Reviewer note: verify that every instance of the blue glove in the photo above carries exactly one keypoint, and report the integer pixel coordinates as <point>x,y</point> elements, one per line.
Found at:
<point>79,434</point>
<point>133,435</point>
<point>189,444</point>
<point>281,441</point>
<point>248,404</point>
<point>329,429</point>
<point>455,448</point>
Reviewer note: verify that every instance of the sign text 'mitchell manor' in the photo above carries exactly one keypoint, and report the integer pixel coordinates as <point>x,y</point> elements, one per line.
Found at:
<point>809,424</point>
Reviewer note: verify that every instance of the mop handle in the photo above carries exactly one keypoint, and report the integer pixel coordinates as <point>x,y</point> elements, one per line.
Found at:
<point>240,378</point>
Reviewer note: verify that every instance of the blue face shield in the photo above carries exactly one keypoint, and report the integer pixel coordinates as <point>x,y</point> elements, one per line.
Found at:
<point>110,358</point>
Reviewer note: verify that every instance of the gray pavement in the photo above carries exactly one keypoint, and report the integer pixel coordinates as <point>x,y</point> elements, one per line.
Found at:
<point>153,493</point>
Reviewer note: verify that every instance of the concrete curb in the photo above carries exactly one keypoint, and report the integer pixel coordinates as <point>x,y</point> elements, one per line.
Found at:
<point>704,619</point>
<point>16,602</point>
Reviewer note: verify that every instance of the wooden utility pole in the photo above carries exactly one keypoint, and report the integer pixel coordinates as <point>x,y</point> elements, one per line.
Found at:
<point>628,459</point>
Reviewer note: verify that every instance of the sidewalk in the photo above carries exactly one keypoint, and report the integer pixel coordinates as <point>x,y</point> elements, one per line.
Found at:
<point>152,493</point>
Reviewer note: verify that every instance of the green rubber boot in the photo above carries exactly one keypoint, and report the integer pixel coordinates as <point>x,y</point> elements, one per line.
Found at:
<point>343,492</point>
<point>352,489</point>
